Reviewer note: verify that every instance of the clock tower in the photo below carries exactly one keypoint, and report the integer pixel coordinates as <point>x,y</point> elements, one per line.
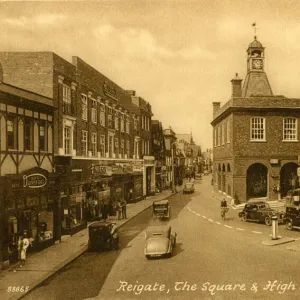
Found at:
<point>256,82</point>
<point>255,56</point>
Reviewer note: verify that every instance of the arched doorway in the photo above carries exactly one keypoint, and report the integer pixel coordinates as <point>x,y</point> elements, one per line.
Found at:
<point>288,178</point>
<point>257,181</point>
<point>228,181</point>
<point>219,177</point>
<point>223,178</point>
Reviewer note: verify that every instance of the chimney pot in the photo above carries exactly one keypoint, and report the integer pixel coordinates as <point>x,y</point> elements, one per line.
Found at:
<point>236,86</point>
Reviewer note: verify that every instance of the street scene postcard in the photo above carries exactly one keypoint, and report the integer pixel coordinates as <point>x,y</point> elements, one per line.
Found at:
<point>150,149</point>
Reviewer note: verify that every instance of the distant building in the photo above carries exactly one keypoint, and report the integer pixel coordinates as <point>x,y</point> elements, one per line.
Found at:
<point>256,136</point>
<point>191,151</point>
<point>159,152</point>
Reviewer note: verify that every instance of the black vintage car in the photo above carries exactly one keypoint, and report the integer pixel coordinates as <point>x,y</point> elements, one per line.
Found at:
<point>103,235</point>
<point>260,212</point>
<point>161,209</point>
<point>292,213</point>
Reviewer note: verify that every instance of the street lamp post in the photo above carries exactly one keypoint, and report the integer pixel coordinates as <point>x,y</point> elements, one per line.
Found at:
<point>173,173</point>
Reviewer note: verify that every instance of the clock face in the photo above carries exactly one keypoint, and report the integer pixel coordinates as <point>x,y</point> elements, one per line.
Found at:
<point>257,64</point>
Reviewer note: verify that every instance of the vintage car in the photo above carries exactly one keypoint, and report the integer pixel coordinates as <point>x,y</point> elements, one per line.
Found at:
<point>161,209</point>
<point>205,173</point>
<point>103,235</point>
<point>260,212</point>
<point>160,241</point>
<point>198,176</point>
<point>292,209</point>
<point>188,188</point>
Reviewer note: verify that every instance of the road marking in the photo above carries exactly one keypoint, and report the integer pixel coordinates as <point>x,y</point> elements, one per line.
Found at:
<point>198,215</point>
<point>210,220</point>
<point>258,232</point>
<point>218,223</point>
<point>240,229</point>
<point>204,217</point>
<point>228,226</point>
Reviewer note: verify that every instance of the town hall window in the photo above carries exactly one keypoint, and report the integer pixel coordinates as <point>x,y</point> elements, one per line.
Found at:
<point>290,129</point>
<point>258,130</point>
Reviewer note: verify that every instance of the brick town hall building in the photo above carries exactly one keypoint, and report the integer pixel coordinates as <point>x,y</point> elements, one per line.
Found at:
<point>256,136</point>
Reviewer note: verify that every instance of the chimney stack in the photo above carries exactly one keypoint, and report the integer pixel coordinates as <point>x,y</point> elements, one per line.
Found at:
<point>131,92</point>
<point>236,86</point>
<point>216,107</point>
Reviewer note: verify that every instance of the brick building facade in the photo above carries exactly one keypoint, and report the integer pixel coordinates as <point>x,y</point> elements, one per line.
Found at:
<point>255,136</point>
<point>98,130</point>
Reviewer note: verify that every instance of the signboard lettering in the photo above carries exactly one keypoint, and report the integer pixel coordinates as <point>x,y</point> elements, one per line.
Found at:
<point>34,181</point>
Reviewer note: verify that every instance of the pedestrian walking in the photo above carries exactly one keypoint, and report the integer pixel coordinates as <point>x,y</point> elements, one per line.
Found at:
<point>124,215</point>
<point>119,209</point>
<point>104,209</point>
<point>22,247</point>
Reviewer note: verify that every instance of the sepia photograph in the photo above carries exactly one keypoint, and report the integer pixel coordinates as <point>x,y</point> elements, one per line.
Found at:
<point>150,150</point>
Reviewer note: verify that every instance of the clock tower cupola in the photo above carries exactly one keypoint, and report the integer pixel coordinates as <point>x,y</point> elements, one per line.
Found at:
<point>256,82</point>
<point>255,56</point>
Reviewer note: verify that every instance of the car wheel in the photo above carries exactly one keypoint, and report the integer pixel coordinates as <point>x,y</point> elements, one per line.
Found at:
<point>244,217</point>
<point>289,224</point>
<point>268,221</point>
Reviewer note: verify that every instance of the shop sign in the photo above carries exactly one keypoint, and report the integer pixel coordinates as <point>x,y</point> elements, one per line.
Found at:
<point>34,181</point>
<point>101,170</point>
<point>117,169</point>
<point>149,160</point>
<point>127,169</point>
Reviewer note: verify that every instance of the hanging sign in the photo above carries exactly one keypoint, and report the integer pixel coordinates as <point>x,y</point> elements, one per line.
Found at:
<point>34,181</point>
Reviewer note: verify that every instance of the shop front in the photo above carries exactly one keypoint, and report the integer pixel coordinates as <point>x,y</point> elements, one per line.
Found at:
<point>98,196</point>
<point>72,197</point>
<point>29,208</point>
<point>149,176</point>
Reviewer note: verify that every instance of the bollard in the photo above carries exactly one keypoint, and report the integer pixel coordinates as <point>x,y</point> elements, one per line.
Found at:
<point>274,227</point>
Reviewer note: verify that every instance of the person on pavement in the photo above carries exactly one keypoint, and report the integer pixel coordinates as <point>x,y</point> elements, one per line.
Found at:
<point>223,203</point>
<point>124,215</point>
<point>23,245</point>
<point>119,209</point>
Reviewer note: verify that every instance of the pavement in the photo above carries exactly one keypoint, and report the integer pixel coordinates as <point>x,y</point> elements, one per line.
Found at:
<point>42,265</point>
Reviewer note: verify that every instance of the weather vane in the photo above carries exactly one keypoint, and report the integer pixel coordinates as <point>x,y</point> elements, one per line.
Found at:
<point>254,28</point>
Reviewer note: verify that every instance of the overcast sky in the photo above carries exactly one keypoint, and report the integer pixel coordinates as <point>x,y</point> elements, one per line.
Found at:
<point>178,55</point>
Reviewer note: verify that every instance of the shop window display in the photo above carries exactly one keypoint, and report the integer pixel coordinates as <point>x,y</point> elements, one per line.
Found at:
<point>45,226</point>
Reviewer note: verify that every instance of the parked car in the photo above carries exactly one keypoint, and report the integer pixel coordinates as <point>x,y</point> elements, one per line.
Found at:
<point>206,173</point>
<point>103,235</point>
<point>292,210</point>
<point>198,176</point>
<point>188,188</point>
<point>160,241</point>
<point>161,209</point>
<point>260,212</point>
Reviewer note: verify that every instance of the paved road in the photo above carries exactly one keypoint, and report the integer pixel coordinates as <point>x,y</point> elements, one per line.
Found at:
<point>210,255</point>
<point>209,252</point>
<point>85,276</point>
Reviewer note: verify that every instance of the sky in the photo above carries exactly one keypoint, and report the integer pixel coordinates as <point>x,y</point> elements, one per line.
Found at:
<point>178,55</point>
